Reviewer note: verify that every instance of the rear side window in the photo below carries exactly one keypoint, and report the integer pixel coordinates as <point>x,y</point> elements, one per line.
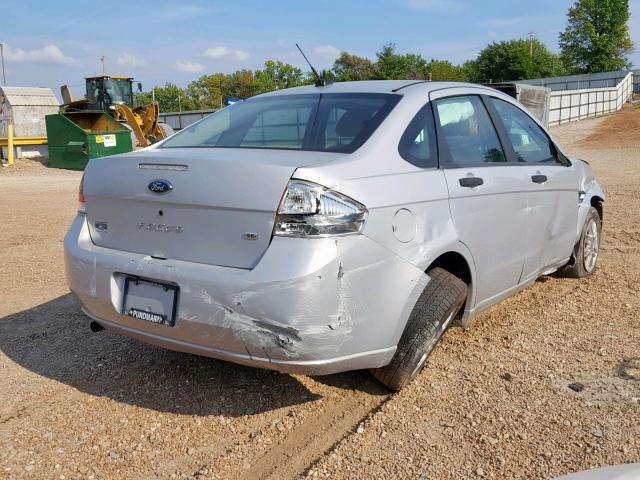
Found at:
<point>418,143</point>
<point>529,141</point>
<point>331,122</point>
<point>469,137</point>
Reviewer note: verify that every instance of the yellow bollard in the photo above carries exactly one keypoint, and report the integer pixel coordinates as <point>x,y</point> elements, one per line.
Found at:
<point>10,143</point>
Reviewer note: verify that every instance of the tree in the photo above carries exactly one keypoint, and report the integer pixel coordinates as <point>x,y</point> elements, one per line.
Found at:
<point>597,36</point>
<point>445,70</point>
<point>514,60</point>
<point>277,75</point>
<point>242,84</point>
<point>142,98</point>
<point>395,66</point>
<point>352,67</point>
<point>470,69</point>
<point>170,97</point>
<point>208,91</point>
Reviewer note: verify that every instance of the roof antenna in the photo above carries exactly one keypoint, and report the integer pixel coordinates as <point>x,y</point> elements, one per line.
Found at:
<point>320,81</point>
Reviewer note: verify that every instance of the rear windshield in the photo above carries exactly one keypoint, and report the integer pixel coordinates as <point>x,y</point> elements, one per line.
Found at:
<point>335,122</point>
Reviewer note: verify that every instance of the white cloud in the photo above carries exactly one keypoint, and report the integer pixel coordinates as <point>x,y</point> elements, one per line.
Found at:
<point>46,54</point>
<point>216,52</point>
<point>434,4</point>
<point>219,52</point>
<point>130,60</point>
<point>327,52</point>
<point>189,67</point>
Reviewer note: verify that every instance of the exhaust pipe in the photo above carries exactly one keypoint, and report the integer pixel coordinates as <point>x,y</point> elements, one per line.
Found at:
<point>95,327</point>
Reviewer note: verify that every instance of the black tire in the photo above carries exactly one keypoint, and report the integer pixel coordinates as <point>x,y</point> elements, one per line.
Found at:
<point>437,306</point>
<point>579,266</point>
<point>167,130</point>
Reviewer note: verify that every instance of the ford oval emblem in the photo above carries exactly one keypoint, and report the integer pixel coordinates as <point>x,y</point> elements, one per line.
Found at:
<point>160,186</point>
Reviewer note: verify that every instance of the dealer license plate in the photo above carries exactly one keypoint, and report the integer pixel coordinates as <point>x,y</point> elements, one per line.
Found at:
<point>150,301</point>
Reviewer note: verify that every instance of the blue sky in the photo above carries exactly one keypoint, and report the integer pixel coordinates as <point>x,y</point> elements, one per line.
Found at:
<point>49,43</point>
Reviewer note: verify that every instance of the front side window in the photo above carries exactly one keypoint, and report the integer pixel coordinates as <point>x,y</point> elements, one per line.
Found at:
<point>418,143</point>
<point>467,132</point>
<point>529,141</point>
<point>332,122</point>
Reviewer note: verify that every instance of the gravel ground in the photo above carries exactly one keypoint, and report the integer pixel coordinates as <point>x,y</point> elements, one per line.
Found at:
<point>545,383</point>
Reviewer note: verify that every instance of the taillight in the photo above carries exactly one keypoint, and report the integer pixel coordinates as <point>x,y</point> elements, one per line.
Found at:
<point>311,210</point>
<point>81,195</point>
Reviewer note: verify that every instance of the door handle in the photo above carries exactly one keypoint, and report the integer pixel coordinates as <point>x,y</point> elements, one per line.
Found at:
<point>471,182</point>
<point>538,178</point>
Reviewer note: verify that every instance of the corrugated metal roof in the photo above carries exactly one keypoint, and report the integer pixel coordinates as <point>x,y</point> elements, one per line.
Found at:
<point>28,96</point>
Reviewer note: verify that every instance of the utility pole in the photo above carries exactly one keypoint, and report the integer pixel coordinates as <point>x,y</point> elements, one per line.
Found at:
<point>531,37</point>
<point>4,78</point>
<point>102,59</point>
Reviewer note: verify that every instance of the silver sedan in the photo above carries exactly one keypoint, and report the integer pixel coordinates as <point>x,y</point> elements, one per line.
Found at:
<point>331,228</point>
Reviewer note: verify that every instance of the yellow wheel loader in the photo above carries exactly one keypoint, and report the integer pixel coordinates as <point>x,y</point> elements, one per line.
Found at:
<point>114,95</point>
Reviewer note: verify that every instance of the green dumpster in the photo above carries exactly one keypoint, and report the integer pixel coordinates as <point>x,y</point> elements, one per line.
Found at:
<point>76,137</point>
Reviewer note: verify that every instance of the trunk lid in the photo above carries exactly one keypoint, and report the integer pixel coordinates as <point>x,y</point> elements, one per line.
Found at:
<point>220,210</point>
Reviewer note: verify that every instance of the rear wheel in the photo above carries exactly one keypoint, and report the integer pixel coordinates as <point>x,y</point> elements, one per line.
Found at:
<point>437,306</point>
<point>586,251</point>
<point>167,130</point>
<point>134,139</point>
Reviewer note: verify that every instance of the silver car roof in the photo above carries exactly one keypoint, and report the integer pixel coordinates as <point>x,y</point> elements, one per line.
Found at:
<point>405,87</point>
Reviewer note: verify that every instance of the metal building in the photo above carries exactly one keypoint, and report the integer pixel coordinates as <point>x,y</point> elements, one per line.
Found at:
<point>25,108</point>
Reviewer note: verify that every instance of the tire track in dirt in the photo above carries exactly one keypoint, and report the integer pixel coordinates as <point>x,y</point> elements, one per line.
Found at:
<point>291,453</point>
<point>298,451</point>
<point>190,467</point>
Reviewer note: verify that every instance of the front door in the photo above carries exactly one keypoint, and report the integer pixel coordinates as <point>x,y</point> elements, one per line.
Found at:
<point>552,198</point>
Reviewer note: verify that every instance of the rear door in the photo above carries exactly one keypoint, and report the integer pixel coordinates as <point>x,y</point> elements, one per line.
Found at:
<point>487,194</point>
<point>552,189</point>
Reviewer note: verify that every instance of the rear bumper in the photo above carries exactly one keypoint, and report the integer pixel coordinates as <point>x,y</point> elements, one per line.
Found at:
<point>310,306</point>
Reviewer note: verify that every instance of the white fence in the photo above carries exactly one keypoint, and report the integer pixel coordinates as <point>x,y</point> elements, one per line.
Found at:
<point>572,105</point>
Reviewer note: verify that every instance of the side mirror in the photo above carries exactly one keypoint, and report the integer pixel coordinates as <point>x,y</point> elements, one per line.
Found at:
<point>139,86</point>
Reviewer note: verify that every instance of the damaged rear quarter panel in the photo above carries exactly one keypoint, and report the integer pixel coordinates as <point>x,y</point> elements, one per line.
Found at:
<point>350,298</point>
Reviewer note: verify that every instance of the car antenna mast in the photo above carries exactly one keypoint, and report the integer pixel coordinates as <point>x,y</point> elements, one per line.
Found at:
<point>320,81</point>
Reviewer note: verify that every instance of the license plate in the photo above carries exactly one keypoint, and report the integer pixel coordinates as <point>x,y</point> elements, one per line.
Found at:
<point>150,301</point>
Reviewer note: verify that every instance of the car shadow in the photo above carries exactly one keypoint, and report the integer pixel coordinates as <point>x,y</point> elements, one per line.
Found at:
<point>54,340</point>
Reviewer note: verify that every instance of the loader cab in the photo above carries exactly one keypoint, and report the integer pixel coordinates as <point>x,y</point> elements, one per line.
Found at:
<point>105,91</point>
